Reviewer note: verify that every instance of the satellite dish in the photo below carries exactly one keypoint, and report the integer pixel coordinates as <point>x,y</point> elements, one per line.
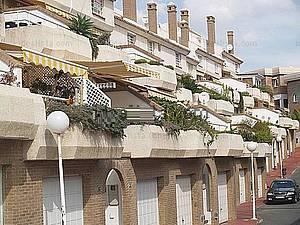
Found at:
<point>229,47</point>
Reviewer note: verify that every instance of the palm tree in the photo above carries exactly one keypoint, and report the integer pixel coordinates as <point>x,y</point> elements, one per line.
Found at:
<point>83,25</point>
<point>296,115</point>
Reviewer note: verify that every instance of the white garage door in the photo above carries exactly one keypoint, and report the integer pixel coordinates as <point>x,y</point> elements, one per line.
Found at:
<point>242,186</point>
<point>147,202</point>
<point>222,197</point>
<point>52,205</point>
<point>184,200</point>
<point>259,183</point>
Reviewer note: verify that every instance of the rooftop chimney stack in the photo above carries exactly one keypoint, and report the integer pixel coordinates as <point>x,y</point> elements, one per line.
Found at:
<point>185,29</point>
<point>129,9</point>
<point>230,41</point>
<point>172,21</point>
<point>152,16</point>
<point>211,29</point>
<point>185,15</point>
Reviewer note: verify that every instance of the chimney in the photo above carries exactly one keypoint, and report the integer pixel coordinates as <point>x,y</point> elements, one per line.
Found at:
<point>211,29</point>
<point>129,9</point>
<point>185,15</point>
<point>152,16</point>
<point>230,41</point>
<point>185,33</point>
<point>172,20</point>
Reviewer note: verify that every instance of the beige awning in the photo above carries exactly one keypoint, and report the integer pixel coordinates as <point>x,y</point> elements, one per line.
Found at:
<point>119,69</point>
<point>37,58</point>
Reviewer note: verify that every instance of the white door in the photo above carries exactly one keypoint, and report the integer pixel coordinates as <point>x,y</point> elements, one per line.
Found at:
<point>52,205</point>
<point>147,202</point>
<point>259,183</point>
<point>184,200</point>
<point>222,197</point>
<point>242,186</point>
<point>206,209</point>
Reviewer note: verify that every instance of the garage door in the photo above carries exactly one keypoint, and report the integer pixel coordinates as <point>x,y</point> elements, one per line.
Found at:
<point>51,201</point>
<point>222,197</point>
<point>147,202</point>
<point>259,183</point>
<point>184,200</point>
<point>242,186</point>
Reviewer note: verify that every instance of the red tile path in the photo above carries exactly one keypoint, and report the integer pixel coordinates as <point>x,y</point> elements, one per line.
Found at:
<point>244,211</point>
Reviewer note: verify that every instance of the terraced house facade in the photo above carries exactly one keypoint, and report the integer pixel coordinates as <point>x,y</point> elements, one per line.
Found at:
<point>138,173</point>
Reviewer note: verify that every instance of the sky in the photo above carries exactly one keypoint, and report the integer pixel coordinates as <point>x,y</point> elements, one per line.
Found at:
<point>267,32</point>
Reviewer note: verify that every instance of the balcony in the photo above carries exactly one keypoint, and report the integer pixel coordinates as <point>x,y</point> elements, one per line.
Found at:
<point>212,86</point>
<point>234,84</point>
<point>286,122</point>
<point>254,92</point>
<point>265,97</point>
<point>240,118</point>
<point>76,144</point>
<point>248,102</point>
<point>109,53</point>
<point>167,79</point>
<point>229,145</point>
<point>59,40</point>
<point>263,150</point>
<point>21,113</point>
<point>222,107</point>
<point>184,95</point>
<point>153,142</point>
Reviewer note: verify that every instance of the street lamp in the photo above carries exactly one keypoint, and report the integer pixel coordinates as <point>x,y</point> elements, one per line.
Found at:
<point>252,146</point>
<point>279,140</point>
<point>58,123</point>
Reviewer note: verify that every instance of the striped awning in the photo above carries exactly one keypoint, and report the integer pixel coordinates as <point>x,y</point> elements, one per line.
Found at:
<point>119,69</point>
<point>37,58</point>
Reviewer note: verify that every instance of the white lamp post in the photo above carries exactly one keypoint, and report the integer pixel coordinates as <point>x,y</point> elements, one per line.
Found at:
<point>252,146</point>
<point>279,140</point>
<point>58,123</point>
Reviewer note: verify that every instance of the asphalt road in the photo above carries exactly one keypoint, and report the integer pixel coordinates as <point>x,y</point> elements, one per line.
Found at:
<point>281,214</point>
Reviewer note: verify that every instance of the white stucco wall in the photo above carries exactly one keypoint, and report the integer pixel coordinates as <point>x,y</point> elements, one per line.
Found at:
<point>234,84</point>
<point>265,115</point>
<point>124,99</point>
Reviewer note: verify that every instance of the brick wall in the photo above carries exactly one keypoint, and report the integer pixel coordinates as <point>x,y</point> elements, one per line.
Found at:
<point>293,88</point>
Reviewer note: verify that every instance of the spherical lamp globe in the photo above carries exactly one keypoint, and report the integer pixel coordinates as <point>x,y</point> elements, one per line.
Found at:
<point>279,138</point>
<point>252,146</point>
<point>58,122</point>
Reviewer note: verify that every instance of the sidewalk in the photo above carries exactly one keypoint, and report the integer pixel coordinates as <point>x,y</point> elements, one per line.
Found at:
<point>244,211</point>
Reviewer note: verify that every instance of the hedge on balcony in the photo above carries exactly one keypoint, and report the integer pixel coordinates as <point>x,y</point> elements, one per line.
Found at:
<point>260,132</point>
<point>93,118</point>
<point>178,118</point>
<point>187,82</point>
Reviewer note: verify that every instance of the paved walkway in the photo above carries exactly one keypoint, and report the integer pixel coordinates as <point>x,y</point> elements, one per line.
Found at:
<point>244,211</point>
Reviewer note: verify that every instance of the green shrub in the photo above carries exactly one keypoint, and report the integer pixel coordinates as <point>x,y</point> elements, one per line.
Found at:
<point>93,118</point>
<point>140,61</point>
<point>156,63</point>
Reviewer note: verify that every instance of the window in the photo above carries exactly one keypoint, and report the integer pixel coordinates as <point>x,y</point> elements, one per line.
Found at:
<point>131,38</point>
<point>151,47</point>
<point>217,68</point>
<point>275,82</point>
<point>285,103</point>
<point>97,7</point>
<point>159,47</point>
<point>178,60</point>
<point>295,98</point>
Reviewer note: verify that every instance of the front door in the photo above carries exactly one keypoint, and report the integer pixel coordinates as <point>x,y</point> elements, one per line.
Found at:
<point>259,183</point>
<point>222,197</point>
<point>242,186</point>
<point>184,200</point>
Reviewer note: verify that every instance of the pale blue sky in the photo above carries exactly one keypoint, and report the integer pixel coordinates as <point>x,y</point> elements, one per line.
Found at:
<point>267,32</point>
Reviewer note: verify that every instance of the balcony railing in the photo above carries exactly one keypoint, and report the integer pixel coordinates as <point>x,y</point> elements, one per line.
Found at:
<point>286,122</point>
<point>248,102</point>
<point>220,106</point>
<point>254,92</point>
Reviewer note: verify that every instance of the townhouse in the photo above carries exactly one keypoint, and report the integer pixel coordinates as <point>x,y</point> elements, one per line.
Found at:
<point>148,176</point>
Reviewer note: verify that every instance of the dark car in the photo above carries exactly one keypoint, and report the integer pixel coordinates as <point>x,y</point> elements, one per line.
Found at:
<point>283,190</point>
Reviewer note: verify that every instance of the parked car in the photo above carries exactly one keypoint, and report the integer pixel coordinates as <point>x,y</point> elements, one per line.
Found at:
<point>283,190</point>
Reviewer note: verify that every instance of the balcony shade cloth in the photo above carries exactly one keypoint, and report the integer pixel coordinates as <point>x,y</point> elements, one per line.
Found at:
<point>119,69</point>
<point>37,58</point>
